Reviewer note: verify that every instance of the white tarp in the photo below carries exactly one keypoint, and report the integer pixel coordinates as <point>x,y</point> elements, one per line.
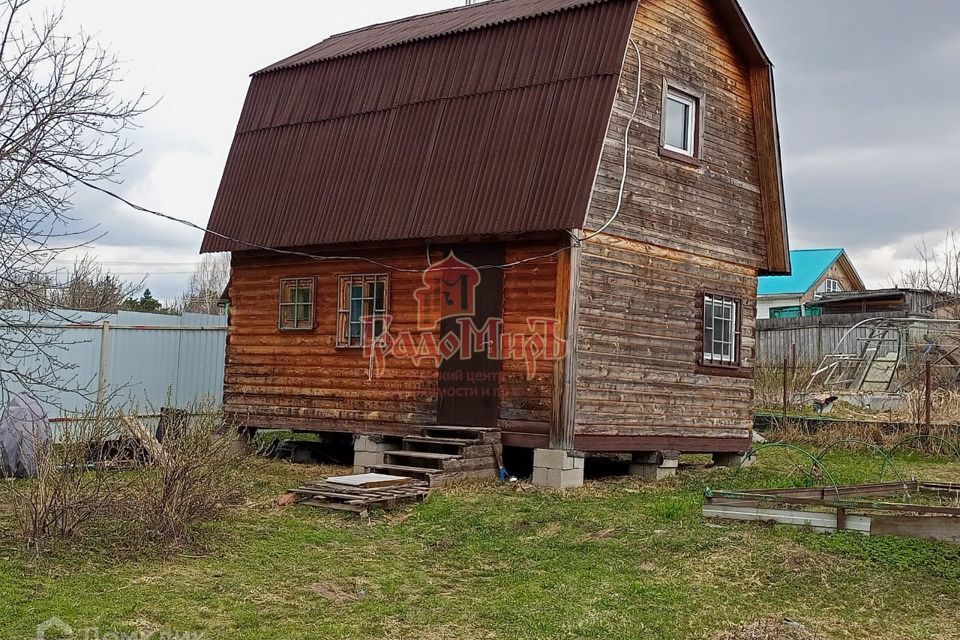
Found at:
<point>23,429</point>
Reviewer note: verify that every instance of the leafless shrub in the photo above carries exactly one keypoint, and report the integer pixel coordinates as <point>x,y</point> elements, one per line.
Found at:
<point>69,494</point>
<point>192,480</point>
<point>162,494</point>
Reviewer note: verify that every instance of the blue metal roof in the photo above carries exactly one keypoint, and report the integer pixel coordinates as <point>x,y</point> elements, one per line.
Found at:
<point>808,266</point>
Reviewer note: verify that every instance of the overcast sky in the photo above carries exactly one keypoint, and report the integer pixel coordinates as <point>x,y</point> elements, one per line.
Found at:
<point>867,96</point>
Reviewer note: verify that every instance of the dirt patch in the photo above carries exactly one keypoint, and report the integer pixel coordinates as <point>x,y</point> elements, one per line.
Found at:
<point>769,629</point>
<point>332,593</point>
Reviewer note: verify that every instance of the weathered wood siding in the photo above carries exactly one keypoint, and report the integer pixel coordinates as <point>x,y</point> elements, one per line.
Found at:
<point>711,210</point>
<point>682,230</point>
<point>301,380</point>
<point>638,344</point>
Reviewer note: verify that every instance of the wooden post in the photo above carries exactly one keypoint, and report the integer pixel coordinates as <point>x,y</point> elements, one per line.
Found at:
<point>928,383</point>
<point>786,366</point>
<point>562,431</point>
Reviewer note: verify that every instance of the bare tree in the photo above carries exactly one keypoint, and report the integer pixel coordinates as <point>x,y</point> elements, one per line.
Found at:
<point>205,291</point>
<point>938,270</point>
<point>87,286</point>
<point>61,124</point>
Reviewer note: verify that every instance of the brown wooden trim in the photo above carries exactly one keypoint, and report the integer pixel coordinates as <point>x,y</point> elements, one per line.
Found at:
<point>679,157</point>
<point>770,171</point>
<point>629,444</point>
<point>281,303</point>
<point>736,369</point>
<point>562,431</point>
<point>723,372</point>
<point>700,97</point>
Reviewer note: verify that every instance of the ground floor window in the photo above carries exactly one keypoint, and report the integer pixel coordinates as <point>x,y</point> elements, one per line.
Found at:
<point>362,297</point>
<point>296,304</point>
<point>721,331</point>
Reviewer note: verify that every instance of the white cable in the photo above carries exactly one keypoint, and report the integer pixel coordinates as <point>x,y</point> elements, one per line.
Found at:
<point>626,149</point>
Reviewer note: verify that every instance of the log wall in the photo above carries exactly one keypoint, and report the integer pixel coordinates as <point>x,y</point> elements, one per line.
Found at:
<point>300,380</point>
<point>684,228</point>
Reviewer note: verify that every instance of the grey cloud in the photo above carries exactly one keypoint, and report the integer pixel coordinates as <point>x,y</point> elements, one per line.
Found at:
<point>867,103</point>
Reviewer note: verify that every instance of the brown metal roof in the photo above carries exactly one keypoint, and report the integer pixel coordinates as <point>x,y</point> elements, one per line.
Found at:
<point>486,119</point>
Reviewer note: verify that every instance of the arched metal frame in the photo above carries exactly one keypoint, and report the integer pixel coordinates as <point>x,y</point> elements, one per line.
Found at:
<point>784,445</point>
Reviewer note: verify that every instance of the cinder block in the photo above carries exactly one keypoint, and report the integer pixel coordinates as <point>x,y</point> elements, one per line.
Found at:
<point>557,478</point>
<point>552,459</point>
<point>373,444</point>
<point>367,459</point>
<point>652,472</point>
<point>667,459</point>
<point>541,477</point>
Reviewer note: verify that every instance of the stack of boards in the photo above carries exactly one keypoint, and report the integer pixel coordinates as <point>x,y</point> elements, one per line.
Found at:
<point>360,493</point>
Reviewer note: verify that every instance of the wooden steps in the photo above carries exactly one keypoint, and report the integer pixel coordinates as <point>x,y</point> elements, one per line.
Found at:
<point>445,453</point>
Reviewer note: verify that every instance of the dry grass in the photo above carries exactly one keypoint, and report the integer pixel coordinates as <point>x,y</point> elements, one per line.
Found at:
<point>79,499</point>
<point>769,629</point>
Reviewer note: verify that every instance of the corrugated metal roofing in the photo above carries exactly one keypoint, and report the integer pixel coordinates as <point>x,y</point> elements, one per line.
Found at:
<point>808,266</point>
<point>425,26</point>
<point>482,120</point>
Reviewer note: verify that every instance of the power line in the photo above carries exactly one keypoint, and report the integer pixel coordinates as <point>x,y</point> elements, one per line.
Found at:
<point>285,252</point>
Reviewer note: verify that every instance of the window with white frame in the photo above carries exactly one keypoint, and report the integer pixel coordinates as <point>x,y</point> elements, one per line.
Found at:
<point>681,122</point>
<point>361,307</point>
<point>829,285</point>
<point>721,331</point>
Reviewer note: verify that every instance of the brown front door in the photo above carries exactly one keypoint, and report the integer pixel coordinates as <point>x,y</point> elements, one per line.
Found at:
<point>470,387</point>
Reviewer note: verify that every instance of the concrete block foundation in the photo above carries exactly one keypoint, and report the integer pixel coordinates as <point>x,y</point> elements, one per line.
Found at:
<point>368,452</point>
<point>558,469</point>
<point>655,465</point>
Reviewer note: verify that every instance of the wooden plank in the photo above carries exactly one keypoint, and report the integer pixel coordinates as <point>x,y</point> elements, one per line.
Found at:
<point>369,480</point>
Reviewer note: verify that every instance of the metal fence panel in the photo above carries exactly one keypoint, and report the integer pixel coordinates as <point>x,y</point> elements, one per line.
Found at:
<point>150,360</point>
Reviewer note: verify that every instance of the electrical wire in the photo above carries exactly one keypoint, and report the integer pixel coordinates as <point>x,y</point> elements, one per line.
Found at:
<point>289,252</point>
<point>626,150</point>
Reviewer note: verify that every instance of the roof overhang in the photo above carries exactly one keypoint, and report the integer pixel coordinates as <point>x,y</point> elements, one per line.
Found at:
<point>773,203</point>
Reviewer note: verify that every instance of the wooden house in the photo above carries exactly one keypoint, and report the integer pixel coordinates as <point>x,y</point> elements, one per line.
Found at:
<point>816,273</point>
<point>535,222</point>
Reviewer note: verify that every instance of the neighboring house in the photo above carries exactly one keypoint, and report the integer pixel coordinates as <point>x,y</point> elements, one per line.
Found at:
<point>904,303</point>
<point>431,225</point>
<point>816,273</point>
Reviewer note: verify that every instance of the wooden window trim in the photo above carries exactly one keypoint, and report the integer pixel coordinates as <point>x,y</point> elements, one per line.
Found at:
<point>702,366</point>
<point>313,304</point>
<point>698,96</point>
<point>343,320</point>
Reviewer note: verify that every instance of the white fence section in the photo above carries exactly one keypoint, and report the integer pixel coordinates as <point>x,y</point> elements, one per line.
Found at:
<point>140,361</point>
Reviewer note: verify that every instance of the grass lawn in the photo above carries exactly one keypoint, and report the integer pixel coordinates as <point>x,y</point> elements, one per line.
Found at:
<point>616,559</point>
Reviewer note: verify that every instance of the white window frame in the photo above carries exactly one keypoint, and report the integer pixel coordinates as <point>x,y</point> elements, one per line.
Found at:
<point>715,352</point>
<point>693,120</point>
<point>346,339</point>
<point>830,285</point>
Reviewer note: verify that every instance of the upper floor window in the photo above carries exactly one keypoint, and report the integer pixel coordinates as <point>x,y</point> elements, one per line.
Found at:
<point>829,285</point>
<point>362,302</point>
<point>682,122</point>
<point>296,303</point>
